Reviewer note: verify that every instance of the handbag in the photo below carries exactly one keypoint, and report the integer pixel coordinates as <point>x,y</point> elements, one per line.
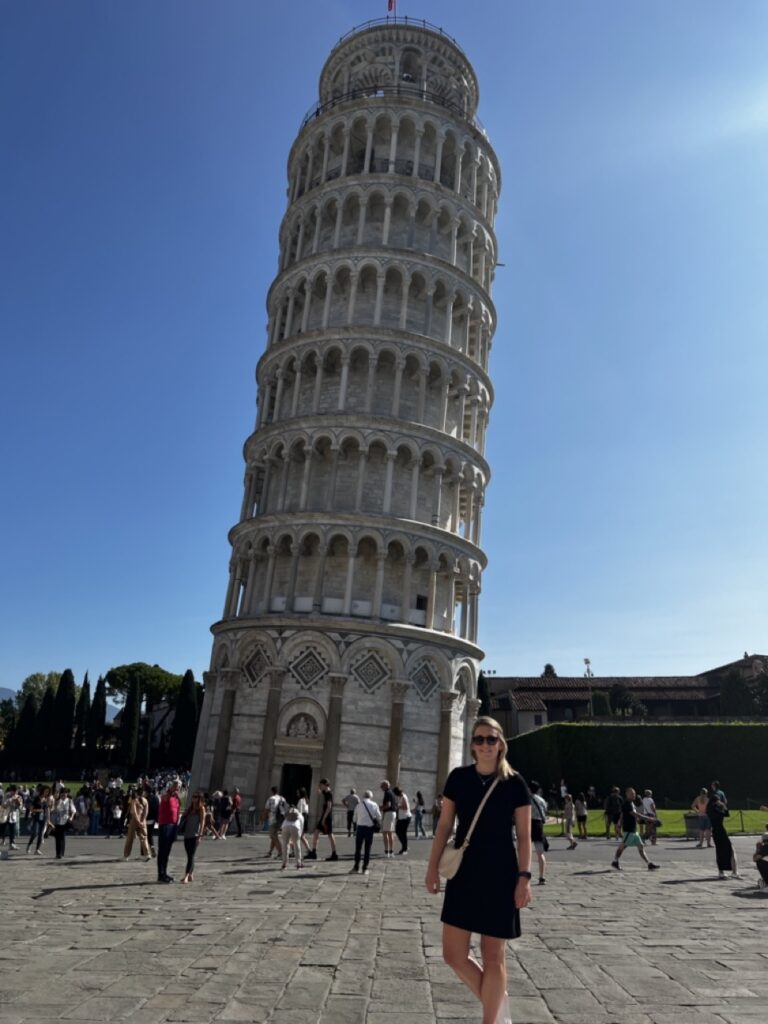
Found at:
<point>451,857</point>
<point>374,821</point>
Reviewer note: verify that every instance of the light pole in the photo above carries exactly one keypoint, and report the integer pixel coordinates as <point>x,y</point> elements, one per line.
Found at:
<point>588,676</point>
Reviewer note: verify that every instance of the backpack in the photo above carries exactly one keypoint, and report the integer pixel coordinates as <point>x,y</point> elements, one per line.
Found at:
<point>292,815</point>
<point>280,812</point>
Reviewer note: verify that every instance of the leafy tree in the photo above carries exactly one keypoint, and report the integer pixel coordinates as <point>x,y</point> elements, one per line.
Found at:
<point>601,704</point>
<point>624,703</point>
<point>737,697</point>
<point>484,694</point>
<point>761,693</point>
<point>184,728</point>
<point>96,720</point>
<point>45,731</point>
<point>549,672</point>
<point>155,684</point>
<point>64,720</point>
<point>81,718</point>
<point>129,725</point>
<point>36,684</point>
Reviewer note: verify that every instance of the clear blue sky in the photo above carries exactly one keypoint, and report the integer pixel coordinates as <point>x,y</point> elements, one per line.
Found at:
<point>142,181</point>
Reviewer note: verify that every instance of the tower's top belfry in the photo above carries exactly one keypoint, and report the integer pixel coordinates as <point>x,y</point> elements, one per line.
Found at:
<point>410,58</point>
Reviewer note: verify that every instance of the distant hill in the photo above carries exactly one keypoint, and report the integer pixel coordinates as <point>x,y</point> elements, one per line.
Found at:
<point>6,694</point>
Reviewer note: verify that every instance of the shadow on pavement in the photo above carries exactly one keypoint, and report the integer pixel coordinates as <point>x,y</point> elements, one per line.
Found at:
<point>106,885</point>
<point>751,894</point>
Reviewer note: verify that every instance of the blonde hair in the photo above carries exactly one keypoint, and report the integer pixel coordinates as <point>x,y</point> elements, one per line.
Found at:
<point>504,769</point>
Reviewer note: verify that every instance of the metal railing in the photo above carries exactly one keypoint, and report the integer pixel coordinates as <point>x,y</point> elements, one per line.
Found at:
<point>405,21</point>
<point>408,89</point>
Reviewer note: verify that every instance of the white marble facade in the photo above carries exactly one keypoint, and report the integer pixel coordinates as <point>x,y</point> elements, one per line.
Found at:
<point>348,643</point>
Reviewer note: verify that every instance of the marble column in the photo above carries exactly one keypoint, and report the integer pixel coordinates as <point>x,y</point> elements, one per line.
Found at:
<point>268,736</point>
<point>228,682</point>
<point>447,700</point>
<point>400,688</point>
<point>333,728</point>
<point>210,680</point>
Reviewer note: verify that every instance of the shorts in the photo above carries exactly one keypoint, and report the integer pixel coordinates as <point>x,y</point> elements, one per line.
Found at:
<point>704,823</point>
<point>538,845</point>
<point>581,817</point>
<point>614,818</point>
<point>388,819</point>
<point>632,839</point>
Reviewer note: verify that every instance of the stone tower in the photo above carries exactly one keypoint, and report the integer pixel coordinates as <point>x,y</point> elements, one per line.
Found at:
<point>348,644</point>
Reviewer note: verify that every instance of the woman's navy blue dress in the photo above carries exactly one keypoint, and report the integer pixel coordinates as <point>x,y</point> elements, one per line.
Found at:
<point>480,897</point>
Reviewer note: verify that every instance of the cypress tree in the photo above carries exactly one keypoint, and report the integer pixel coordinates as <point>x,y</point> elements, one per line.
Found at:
<point>25,735</point>
<point>45,724</point>
<point>81,719</point>
<point>129,725</point>
<point>484,694</point>
<point>96,721</point>
<point>184,728</point>
<point>64,721</point>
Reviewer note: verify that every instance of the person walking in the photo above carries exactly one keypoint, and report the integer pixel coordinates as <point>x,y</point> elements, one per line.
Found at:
<point>325,822</point>
<point>705,826</point>
<point>192,832</point>
<point>630,835</point>
<point>302,806</point>
<point>418,816</point>
<point>493,882</point>
<point>367,814</point>
<point>650,817</point>
<point>274,812</point>
<point>717,812</point>
<point>388,818</point>
<point>168,819</point>
<point>540,842</point>
<point>39,817</point>
<point>580,807</point>
<point>612,806</point>
<point>293,827</point>
<point>237,803</point>
<point>13,804</point>
<point>138,808</point>
<point>63,815</point>
<point>403,820</point>
<point>350,801</point>
<point>568,821</point>
<point>225,813</point>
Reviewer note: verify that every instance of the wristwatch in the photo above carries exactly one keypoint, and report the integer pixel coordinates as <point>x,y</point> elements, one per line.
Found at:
<point>525,874</point>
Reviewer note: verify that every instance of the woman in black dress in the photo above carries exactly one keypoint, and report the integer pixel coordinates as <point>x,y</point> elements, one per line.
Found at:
<point>717,812</point>
<point>493,883</point>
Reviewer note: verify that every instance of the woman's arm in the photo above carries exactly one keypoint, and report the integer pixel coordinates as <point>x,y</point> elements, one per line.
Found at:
<point>523,833</point>
<point>442,835</point>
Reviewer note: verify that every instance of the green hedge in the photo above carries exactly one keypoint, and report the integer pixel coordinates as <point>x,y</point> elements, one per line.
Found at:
<point>675,761</point>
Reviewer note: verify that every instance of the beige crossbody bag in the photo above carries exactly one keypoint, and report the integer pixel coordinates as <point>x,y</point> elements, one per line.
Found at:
<point>450,859</point>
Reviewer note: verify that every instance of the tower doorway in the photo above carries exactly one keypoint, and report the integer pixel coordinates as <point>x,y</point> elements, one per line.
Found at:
<point>293,778</point>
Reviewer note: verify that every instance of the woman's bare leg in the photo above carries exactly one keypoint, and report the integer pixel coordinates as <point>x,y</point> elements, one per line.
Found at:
<point>456,955</point>
<point>494,983</point>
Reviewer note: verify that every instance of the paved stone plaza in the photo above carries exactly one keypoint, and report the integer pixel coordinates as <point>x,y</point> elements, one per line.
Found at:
<point>93,938</point>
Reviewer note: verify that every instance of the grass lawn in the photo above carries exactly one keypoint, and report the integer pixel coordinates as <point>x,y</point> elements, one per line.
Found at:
<point>749,822</point>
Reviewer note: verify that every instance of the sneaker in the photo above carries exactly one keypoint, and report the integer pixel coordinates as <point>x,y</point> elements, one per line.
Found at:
<point>334,856</point>
<point>38,853</point>
<point>367,872</point>
<point>653,867</point>
<point>13,846</point>
<point>721,874</point>
<point>735,874</point>
<point>573,846</point>
<point>354,871</point>
<point>311,855</point>
<point>615,864</point>
<point>542,881</point>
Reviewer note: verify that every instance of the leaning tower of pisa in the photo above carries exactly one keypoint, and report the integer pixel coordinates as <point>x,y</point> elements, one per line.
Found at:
<point>347,648</point>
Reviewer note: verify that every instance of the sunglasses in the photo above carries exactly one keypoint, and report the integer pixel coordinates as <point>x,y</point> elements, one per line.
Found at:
<point>478,741</point>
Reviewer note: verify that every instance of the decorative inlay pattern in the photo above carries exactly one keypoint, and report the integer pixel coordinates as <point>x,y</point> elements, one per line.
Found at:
<point>371,672</point>
<point>256,665</point>
<point>425,679</point>
<point>309,668</point>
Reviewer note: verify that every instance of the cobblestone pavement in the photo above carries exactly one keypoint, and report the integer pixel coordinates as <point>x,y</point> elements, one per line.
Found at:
<point>93,938</point>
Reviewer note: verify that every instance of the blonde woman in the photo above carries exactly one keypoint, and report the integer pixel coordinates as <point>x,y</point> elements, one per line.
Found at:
<point>494,881</point>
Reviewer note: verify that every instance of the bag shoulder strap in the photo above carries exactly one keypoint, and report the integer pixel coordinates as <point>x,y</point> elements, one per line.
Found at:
<point>483,802</point>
